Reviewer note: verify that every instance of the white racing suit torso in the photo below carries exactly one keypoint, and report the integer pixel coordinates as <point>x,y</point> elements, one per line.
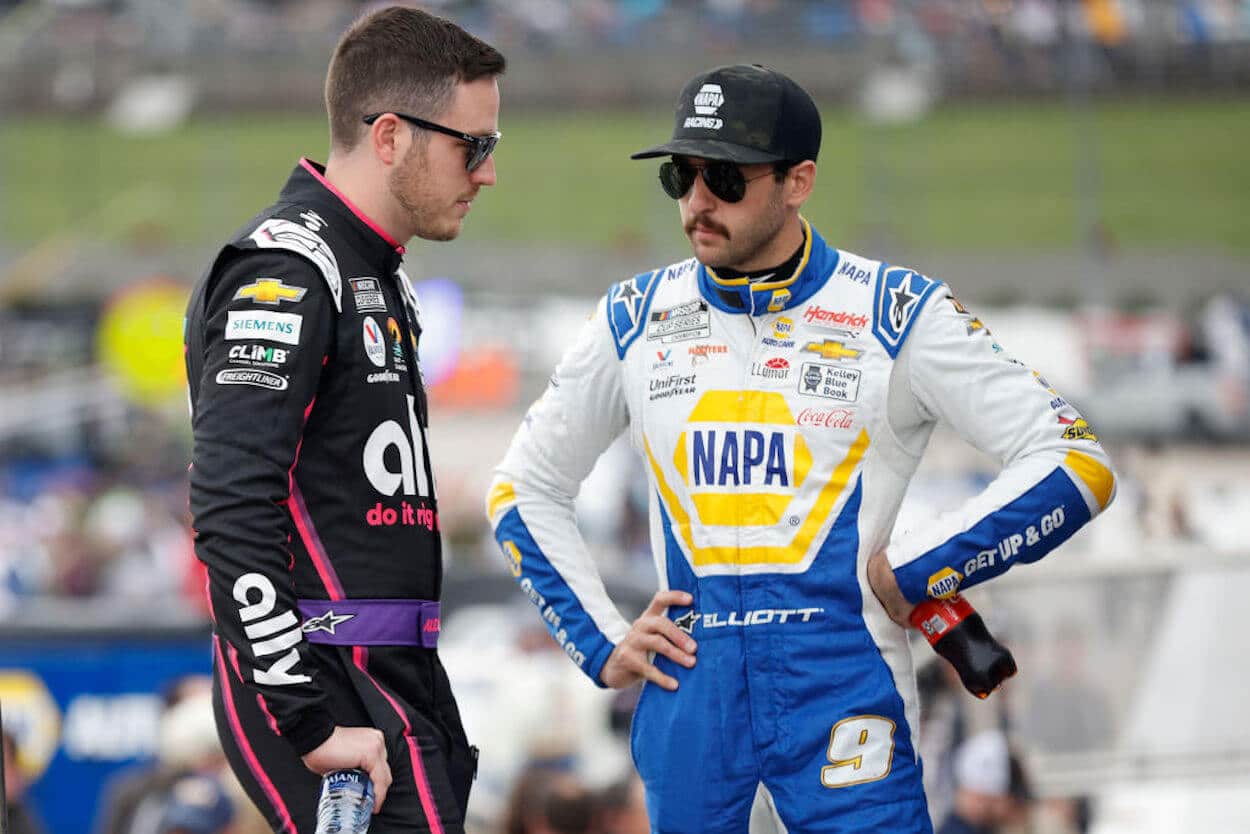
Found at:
<point>779,423</point>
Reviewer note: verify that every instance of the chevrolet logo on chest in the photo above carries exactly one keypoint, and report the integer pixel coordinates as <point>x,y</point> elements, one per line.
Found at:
<point>270,291</point>
<point>829,349</point>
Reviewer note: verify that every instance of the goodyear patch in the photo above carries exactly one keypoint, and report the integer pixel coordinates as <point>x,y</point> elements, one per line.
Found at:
<point>900,294</point>
<point>627,306</point>
<point>944,583</point>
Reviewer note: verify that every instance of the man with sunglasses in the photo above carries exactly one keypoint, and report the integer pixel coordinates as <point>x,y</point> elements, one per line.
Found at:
<point>311,487</point>
<point>780,392</point>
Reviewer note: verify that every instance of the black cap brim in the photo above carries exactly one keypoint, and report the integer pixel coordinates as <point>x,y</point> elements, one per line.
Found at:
<point>714,149</point>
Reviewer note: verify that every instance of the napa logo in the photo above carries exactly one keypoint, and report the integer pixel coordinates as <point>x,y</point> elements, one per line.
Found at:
<point>741,471</point>
<point>944,583</point>
<point>742,458</point>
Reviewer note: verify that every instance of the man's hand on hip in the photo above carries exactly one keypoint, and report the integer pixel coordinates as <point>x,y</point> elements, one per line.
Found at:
<point>354,747</point>
<point>885,586</point>
<point>651,632</point>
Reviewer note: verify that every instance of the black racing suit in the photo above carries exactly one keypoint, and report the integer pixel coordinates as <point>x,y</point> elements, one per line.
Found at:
<point>314,510</point>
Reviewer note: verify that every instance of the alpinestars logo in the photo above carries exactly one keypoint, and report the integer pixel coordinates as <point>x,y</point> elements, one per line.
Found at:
<point>326,622</point>
<point>706,102</point>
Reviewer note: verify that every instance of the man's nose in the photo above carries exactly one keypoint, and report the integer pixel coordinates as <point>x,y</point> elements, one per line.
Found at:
<point>701,199</point>
<point>484,174</point>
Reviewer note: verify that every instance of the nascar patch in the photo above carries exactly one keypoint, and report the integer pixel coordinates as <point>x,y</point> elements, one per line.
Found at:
<point>691,320</point>
<point>367,293</point>
<point>900,294</point>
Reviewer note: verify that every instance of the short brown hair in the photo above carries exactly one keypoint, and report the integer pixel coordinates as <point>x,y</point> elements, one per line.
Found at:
<point>404,59</point>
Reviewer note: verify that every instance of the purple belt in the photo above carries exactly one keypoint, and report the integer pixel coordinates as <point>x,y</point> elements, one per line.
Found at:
<point>371,622</point>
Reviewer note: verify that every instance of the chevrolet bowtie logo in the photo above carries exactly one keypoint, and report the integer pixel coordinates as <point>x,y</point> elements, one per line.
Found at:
<point>326,622</point>
<point>829,349</point>
<point>270,291</point>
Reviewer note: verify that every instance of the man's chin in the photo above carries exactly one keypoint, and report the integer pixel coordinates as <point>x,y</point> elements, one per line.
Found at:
<point>712,256</point>
<point>440,234</point>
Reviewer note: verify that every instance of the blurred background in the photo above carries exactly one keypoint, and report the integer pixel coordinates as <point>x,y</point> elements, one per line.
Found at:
<point>1078,170</point>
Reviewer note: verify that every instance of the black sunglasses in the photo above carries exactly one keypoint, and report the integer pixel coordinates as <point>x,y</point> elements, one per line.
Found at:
<point>724,179</point>
<point>480,146</point>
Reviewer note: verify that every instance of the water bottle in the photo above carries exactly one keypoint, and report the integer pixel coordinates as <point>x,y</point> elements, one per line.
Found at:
<point>956,631</point>
<point>346,804</point>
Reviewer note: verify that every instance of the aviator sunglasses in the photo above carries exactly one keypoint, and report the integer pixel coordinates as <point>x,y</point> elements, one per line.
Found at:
<point>480,147</point>
<point>724,179</point>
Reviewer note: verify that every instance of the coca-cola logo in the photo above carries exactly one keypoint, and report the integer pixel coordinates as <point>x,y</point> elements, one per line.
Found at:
<point>826,418</point>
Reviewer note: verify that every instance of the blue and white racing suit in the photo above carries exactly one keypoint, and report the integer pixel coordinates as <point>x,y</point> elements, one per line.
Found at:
<point>780,423</point>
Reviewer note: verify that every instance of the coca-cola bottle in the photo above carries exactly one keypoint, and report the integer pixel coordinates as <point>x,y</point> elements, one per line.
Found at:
<point>956,631</point>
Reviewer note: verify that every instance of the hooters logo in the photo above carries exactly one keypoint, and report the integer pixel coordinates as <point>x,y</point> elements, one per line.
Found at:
<point>826,418</point>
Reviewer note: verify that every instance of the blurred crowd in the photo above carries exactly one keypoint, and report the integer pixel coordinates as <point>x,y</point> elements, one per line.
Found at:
<point>963,45</point>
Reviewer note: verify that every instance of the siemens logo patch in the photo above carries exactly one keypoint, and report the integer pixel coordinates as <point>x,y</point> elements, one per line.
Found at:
<point>264,324</point>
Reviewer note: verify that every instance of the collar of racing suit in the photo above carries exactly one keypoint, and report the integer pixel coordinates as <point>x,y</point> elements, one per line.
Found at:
<point>816,262</point>
<point>308,186</point>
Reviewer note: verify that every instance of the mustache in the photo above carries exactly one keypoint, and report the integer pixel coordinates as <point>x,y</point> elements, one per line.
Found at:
<point>707,222</point>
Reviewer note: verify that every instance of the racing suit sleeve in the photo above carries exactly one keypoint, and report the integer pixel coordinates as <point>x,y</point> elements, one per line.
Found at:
<point>530,503</point>
<point>1055,475</point>
<point>262,332</point>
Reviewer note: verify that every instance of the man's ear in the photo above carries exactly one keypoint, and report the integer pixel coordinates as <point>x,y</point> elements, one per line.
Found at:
<point>389,139</point>
<point>800,182</point>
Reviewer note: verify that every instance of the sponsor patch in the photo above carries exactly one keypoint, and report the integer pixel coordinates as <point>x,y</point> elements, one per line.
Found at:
<point>839,319</point>
<point>375,344</point>
<point>681,323</point>
<point>854,272</point>
<point>830,349</point>
<point>832,382</point>
<point>777,369</point>
<point>1077,429</point>
<point>382,376</point>
<point>367,293</point>
<point>944,583</point>
<point>706,102</point>
<point>251,376</point>
<point>263,324</point>
<point>699,354</point>
<point>272,291</point>
<point>826,418</point>
<point>663,359</point>
<point>397,343</point>
<point>672,386</point>
<point>258,355</point>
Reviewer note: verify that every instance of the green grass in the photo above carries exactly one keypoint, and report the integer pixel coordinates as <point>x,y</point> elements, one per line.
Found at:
<point>1165,174</point>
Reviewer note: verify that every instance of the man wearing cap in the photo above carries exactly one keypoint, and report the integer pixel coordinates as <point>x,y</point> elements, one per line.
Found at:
<point>780,392</point>
<point>982,800</point>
